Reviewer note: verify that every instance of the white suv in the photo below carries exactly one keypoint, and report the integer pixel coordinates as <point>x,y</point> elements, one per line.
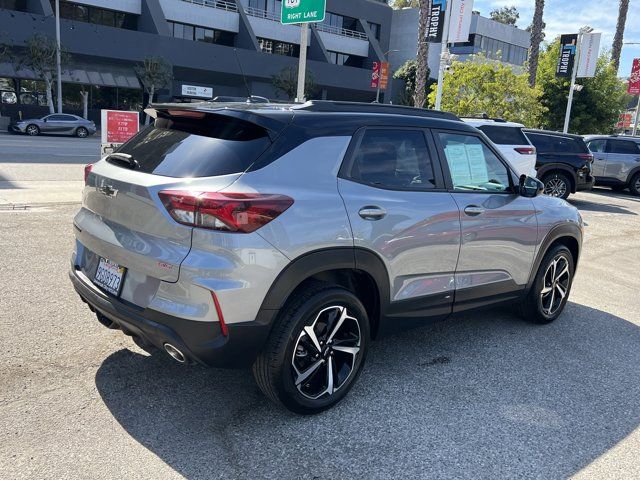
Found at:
<point>509,139</point>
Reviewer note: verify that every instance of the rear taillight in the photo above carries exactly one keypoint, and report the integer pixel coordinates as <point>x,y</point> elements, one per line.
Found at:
<point>228,212</point>
<point>525,150</point>
<point>586,156</point>
<point>87,170</point>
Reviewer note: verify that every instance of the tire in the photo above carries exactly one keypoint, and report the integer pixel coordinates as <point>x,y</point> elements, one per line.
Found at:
<point>32,130</point>
<point>82,132</point>
<point>540,307</point>
<point>557,184</point>
<point>634,185</point>
<point>293,371</point>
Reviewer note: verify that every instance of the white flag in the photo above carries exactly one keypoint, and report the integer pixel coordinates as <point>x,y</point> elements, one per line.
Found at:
<point>589,49</point>
<point>460,20</point>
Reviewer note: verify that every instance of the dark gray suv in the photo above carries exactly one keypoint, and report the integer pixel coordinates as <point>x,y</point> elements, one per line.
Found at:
<point>288,237</point>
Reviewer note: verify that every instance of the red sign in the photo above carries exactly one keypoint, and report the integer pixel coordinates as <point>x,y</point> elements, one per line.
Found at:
<point>121,126</point>
<point>634,78</point>
<point>384,75</point>
<point>624,121</point>
<point>375,75</point>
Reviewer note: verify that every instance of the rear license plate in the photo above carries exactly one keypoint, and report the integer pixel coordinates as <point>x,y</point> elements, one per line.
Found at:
<point>109,276</point>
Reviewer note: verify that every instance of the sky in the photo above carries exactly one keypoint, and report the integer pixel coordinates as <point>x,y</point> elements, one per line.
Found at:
<point>567,16</point>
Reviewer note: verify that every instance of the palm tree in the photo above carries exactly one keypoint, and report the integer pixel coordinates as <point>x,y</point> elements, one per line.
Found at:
<point>536,38</point>
<point>616,49</point>
<point>420,96</point>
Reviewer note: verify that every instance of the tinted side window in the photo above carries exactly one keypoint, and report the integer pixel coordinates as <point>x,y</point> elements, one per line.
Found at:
<point>68,118</point>
<point>504,135</point>
<point>556,144</point>
<point>472,165</point>
<point>597,146</point>
<point>55,118</point>
<point>625,147</point>
<point>393,159</point>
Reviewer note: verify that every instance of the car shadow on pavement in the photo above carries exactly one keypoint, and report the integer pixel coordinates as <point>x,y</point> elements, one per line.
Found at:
<point>487,395</point>
<point>587,206</point>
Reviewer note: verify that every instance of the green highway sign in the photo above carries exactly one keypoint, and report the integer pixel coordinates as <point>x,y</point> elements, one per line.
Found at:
<point>303,11</point>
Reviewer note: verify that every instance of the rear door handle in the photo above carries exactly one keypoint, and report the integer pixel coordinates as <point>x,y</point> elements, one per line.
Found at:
<point>473,210</point>
<point>372,213</point>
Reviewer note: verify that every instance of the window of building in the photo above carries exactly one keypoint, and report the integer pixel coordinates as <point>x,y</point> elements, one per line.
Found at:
<point>274,6</point>
<point>375,29</point>
<point>277,47</point>
<point>96,15</point>
<point>395,159</point>
<point>342,21</point>
<point>19,5</point>
<point>201,34</point>
<point>346,59</point>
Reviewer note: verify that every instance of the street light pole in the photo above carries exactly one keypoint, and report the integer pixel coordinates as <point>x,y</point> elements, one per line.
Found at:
<point>58,60</point>
<point>444,55</point>
<point>574,72</point>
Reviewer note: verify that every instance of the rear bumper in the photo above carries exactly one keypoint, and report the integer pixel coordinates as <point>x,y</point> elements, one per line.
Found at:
<point>201,342</point>
<point>585,184</point>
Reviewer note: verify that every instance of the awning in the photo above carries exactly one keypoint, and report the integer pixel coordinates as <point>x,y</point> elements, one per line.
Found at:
<point>96,74</point>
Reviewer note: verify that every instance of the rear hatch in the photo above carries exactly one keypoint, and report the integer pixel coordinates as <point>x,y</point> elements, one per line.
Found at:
<point>514,145</point>
<point>123,218</point>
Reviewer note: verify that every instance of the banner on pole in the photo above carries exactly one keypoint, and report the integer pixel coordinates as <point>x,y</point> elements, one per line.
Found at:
<point>567,55</point>
<point>384,75</point>
<point>589,49</point>
<point>460,20</point>
<point>375,75</point>
<point>435,20</point>
<point>634,79</point>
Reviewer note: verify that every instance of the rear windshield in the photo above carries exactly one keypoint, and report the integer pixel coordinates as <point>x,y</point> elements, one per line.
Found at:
<point>504,135</point>
<point>194,144</point>
<point>556,144</point>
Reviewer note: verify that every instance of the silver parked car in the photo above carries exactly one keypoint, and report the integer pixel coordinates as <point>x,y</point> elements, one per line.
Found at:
<point>288,237</point>
<point>616,161</point>
<point>55,124</point>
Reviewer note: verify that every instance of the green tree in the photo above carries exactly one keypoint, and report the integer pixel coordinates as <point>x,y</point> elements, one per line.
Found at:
<point>595,108</point>
<point>287,81</point>
<point>398,4</point>
<point>39,56</point>
<point>506,15</point>
<point>408,74</point>
<point>154,73</point>
<point>480,86</point>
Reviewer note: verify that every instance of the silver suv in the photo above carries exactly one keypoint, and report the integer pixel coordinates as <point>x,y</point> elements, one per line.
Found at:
<point>288,237</point>
<point>616,161</point>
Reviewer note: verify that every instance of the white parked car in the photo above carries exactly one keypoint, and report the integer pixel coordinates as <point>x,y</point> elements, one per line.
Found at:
<point>509,139</point>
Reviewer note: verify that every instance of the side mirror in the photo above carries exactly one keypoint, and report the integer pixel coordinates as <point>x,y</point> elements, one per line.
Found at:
<point>530,187</point>
<point>45,120</point>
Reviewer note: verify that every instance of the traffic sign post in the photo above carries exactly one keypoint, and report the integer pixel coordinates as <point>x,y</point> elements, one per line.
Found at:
<point>302,12</point>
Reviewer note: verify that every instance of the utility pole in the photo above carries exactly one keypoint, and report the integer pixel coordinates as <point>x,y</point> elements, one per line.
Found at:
<point>58,60</point>
<point>302,64</point>
<point>444,55</point>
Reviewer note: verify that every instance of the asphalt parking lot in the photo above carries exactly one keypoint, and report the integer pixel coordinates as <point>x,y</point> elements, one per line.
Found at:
<point>483,396</point>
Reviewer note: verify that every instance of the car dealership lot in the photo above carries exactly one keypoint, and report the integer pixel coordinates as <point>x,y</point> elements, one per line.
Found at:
<point>486,395</point>
<point>483,396</point>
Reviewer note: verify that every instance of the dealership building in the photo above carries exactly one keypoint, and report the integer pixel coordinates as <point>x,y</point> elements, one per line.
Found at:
<point>216,48</point>
<point>219,48</point>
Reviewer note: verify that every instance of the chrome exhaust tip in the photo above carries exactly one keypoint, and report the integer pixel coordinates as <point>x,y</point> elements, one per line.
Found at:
<point>176,354</point>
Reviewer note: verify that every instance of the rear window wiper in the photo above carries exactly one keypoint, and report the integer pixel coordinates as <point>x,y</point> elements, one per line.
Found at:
<point>124,158</point>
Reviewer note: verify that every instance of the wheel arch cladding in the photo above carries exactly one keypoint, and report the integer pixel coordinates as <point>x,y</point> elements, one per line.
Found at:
<point>568,235</point>
<point>358,270</point>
